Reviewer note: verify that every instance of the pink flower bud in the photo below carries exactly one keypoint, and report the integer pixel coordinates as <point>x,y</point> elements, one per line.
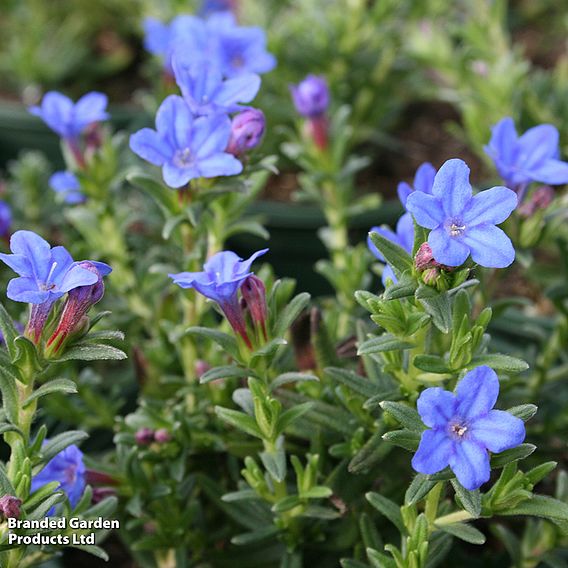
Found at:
<point>10,507</point>
<point>162,436</point>
<point>247,129</point>
<point>144,436</point>
<point>541,198</point>
<point>254,294</point>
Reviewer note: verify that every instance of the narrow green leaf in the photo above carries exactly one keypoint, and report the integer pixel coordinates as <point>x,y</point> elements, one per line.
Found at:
<point>406,439</point>
<point>58,443</point>
<point>226,372</point>
<point>287,378</point>
<point>406,415</point>
<point>386,342</point>
<point>357,383</point>
<point>396,256</point>
<point>224,340</point>
<point>464,532</point>
<point>541,506</point>
<point>524,411</point>
<point>256,536</point>
<point>92,352</point>
<point>239,420</point>
<point>290,313</point>
<point>9,331</point>
<point>469,500</point>
<point>431,364</point>
<point>9,394</point>
<point>388,508</point>
<point>62,386</point>
<point>291,415</point>
<point>514,454</point>
<point>499,362</point>
<point>437,305</point>
<point>420,487</point>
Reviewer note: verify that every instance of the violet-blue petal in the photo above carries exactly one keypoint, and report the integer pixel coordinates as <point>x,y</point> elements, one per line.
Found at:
<point>490,206</point>
<point>405,232</point>
<point>436,407</point>
<point>426,209</point>
<point>424,178</point>
<point>477,392</point>
<point>388,274</point>
<point>503,141</point>
<point>448,250</point>
<point>175,120</point>
<point>554,172</point>
<point>470,463</point>
<point>90,108</point>
<point>538,144</point>
<point>75,277</point>
<point>36,249</point>
<point>150,146</point>
<point>176,177</point>
<point>26,290</point>
<point>434,452</point>
<point>498,430</point>
<point>403,190</point>
<point>210,135</point>
<point>221,164</point>
<point>489,246</point>
<point>452,187</point>
<point>241,89</point>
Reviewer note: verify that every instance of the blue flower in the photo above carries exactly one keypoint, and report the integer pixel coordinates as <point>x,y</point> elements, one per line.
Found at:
<point>184,31</point>
<point>423,181</point>
<point>464,224</point>
<point>68,185</point>
<point>404,237</point>
<point>222,276</point>
<point>210,6</point>
<point>185,146</point>
<point>463,427</point>
<point>46,273</point>
<point>68,469</point>
<point>238,50</point>
<point>533,156</point>
<point>204,89</point>
<point>69,119</point>
<point>5,219</point>
<point>311,96</point>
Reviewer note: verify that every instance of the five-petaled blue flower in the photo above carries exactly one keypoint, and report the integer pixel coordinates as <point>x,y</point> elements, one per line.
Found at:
<point>204,89</point>
<point>462,223</point>
<point>404,237</point>
<point>533,156</point>
<point>69,119</point>
<point>68,185</point>
<point>311,96</point>
<point>46,273</point>
<point>68,469</point>
<point>238,50</point>
<point>463,426</point>
<point>5,219</point>
<point>185,146</point>
<point>221,277</point>
<point>423,181</point>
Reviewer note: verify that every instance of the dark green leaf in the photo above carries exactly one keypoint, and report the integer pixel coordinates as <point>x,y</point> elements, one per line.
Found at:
<point>62,386</point>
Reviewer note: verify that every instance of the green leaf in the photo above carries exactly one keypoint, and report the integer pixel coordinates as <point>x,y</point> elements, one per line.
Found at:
<point>406,439</point>
<point>357,383</point>
<point>268,350</point>
<point>404,288</point>
<point>162,196</point>
<point>317,492</point>
<point>170,225</point>
<point>406,415</point>
<point>287,378</point>
<point>92,352</point>
<point>286,504</point>
<point>524,411</point>
<point>226,372</point>
<point>388,508</point>
<point>399,260</point>
<point>512,455</point>
<point>9,394</point>
<point>291,415</point>
<point>224,340</point>
<point>26,354</point>
<point>92,549</point>
<point>58,443</point>
<point>42,509</point>
<point>6,486</point>
<point>386,342</point>
<point>242,495</point>
<point>499,362</point>
<point>256,536</point>
<point>464,532</point>
<point>63,386</point>
<point>372,452</point>
<point>437,306</point>
<point>541,506</point>
<point>239,420</point>
<point>290,313</point>
<point>10,428</point>
<point>9,331</point>
<point>420,487</point>
<point>469,500</point>
<point>431,364</point>
<point>275,464</point>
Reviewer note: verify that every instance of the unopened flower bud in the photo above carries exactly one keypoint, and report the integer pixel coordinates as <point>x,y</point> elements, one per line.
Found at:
<point>101,493</point>
<point>425,260</point>
<point>254,294</point>
<point>201,367</point>
<point>95,477</point>
<point>79,302</point>
<point>5,219</point>
<point>10,507</point>
<point>541,198</point>
<point>247,129</point>
<point>311,96</point>
<point>162,436</point>
<point>144,436</point>
<point>430,275</point>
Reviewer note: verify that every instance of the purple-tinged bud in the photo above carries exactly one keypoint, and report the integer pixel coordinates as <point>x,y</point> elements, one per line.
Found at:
<point>162,436</point>
<point>95,477</point>
<point>424,259</point>
<point>254,294</point>
<point>79,302</point>
<point>247,129</point>
<point>201,367</point>
<point>5,219</point>
<point>311,96</point>
<point>10,507</point>
<point>39,313</point>
<point>480,67</point>
<point>101,493</point>
<point>430,276</point>
<point>93,137</point>
<point>144,436</point>
<point>541,198</point>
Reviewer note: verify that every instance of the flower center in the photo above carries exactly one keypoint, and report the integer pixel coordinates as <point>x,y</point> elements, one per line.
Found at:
<point>47,285</point>
<point>455,228</point>
<point>458,429</point>
<point>238,62</point>
<point>183,158</point>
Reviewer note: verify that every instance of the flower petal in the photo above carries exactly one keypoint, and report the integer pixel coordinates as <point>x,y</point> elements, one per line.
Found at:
<point>498,430</point>
<point>403,190</point>
<point>76,277</point>
<point>210,135</point>
<point>503,143</point>
<point>554,172</point>
<point>241,89</point>
<point>18,263</point>
<point>434,452</point>
<point>88,109</point>
<point>405,232</point>
<point>174,122</point>
<point>537,145</point>
<point>448,250</point>
<point>26,290</point>
<point>221,164</point>
<point>424,178</point>
<point>477,392</point>
<point>35,249</point>
<point>470,463</point>
<point>426,209</point>
<point>490,206</point>
<point>452,187</point>
<point>177,177</point>
<point>489,245</point>
<point>436,407</point>
<point>150,146</point>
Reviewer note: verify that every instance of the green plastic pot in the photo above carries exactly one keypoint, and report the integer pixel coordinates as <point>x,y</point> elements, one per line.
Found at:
<point>294,243</point>
<point>19,130</point>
